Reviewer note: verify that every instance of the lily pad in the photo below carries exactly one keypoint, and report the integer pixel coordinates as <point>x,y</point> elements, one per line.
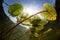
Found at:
<point>15,9</point>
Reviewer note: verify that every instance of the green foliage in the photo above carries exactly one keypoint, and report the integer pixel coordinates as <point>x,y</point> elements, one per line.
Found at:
<point>15,9</point>
<point>51,12</point>
<point>36,21</point>
<point>23,15</point>
<point>37,25</point>
<point>43,22</point>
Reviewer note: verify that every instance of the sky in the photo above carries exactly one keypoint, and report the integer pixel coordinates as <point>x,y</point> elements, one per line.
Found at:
<point>28,5</point>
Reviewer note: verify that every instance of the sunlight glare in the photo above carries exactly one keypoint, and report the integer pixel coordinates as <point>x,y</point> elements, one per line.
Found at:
<point>30,10</point>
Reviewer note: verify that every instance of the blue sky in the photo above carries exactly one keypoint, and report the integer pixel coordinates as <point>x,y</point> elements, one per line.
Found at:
<point>38,4</point>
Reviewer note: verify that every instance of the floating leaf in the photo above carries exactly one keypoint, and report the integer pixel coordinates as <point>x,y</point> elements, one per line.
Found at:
<point>15,9</point>
<point>51,12</point>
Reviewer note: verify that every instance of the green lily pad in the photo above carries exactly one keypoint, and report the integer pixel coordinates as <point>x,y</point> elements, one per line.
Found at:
<point>50,13</point>
<point>15,9</point>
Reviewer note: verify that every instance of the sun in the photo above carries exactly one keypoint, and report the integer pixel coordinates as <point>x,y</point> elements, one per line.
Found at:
<point>30,10</point>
